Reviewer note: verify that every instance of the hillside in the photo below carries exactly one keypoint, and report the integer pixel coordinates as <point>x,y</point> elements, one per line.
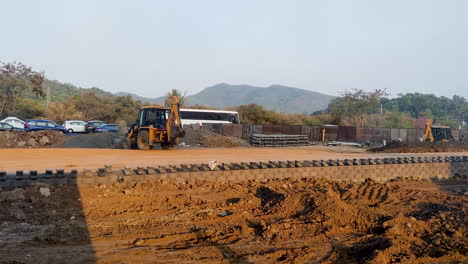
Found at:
<point>60,92</point>
<point>275,97</point>
<point>159,100</point>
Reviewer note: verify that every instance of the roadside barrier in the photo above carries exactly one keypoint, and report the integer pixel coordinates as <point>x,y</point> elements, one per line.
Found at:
<point>358,170</point>
<point>333,133</point>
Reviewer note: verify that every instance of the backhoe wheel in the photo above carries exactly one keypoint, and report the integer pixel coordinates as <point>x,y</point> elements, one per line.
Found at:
<point>143,140</point>
<point>127,144</point>
<point>167,145</point>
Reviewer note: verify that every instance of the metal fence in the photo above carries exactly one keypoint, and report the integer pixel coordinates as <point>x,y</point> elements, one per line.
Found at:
<point>314,133</point>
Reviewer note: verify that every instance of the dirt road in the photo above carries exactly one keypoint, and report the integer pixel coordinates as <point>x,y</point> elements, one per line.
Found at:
<point>280,221</point>
<point>41,159</point>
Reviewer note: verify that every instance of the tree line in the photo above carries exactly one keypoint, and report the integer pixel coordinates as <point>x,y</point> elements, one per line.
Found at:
<point>22,94</point>
<point>360,108</point>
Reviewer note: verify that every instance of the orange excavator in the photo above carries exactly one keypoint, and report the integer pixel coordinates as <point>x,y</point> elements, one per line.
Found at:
<point>156,125</point>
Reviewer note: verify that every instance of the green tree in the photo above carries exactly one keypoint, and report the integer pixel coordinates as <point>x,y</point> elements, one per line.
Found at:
<point>460,106</point>
<point>175,92</point>
<point>447,121</point>
<point>28,108</point>
<point>60,112</point>
<point>336,111</point>
<point>256,114</point>
<point>15,79</point>
<point>430,106</point>
<point>126,109</point>
<point>199,106</point>
<point>110,110</point>
<point>356,104</point>
<point>93,107</point>
<point>395,119</point>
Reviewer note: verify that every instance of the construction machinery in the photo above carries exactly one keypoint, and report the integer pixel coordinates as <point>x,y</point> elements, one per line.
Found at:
<point>437,133</point>
<point>156,125</point>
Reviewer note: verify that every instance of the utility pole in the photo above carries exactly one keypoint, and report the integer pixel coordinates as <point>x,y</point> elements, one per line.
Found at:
<point>381,114</point>
<point>47,97</point>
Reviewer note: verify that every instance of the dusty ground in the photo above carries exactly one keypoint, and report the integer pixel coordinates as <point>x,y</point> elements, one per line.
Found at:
<point>422,147</point>
<point>95,140</point>
<point>49,158</point>
<point>195,138</point>
<point>280,221</point>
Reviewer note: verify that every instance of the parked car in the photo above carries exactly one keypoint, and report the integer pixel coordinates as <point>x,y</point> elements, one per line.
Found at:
<point>91,126</point>
<point>38,124</point>
<point>5,127</point>
<point>108,128</point>
<point>14,121</point>
<point>75,126</point>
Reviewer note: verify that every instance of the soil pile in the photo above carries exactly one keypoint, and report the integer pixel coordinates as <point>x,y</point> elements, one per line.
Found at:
<point>34,139</point>
<point>422,147</point>
<point>196,136</point>
<point>98,140</point>
<point>277,221</point>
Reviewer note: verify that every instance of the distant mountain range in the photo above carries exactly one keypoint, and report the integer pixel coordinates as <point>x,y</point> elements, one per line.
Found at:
<point>275,97</point>
<point>157,100</point>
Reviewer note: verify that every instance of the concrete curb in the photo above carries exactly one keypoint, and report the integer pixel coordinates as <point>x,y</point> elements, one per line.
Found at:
<point>378,169</point>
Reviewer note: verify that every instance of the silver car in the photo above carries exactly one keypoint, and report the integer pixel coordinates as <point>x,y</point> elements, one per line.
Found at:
<point>74,126</point>
<point>14,122</point>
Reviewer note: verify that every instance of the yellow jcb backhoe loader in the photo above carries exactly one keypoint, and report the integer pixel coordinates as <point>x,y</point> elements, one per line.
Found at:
<point>437,133</point>
<point>156,125</point>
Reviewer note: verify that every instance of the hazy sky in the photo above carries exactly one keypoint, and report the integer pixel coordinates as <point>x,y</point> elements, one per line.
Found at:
<point>149,47</point>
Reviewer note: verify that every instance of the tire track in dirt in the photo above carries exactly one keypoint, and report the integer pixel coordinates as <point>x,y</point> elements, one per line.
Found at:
<point>274,221</point>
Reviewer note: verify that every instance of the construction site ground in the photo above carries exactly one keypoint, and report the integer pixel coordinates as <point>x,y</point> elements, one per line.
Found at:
<point>309,220</point>
<point>276,221</point>
<point>422,147</point>
<point>51,158</point>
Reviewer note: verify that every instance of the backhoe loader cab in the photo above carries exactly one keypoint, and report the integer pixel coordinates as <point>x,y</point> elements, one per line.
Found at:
<point>437,133</point>
<point>156,125</point>
<point>156,117</point>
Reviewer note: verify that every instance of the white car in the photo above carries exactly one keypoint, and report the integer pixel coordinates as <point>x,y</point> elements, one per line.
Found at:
<point>75,126</point>
<point>14,121</point>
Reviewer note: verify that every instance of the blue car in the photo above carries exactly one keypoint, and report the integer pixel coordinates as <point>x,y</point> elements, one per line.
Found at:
<point>38,124</point>
<point>108,128</point>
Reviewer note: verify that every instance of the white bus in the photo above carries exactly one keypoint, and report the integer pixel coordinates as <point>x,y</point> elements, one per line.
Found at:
<point>200,116</point>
